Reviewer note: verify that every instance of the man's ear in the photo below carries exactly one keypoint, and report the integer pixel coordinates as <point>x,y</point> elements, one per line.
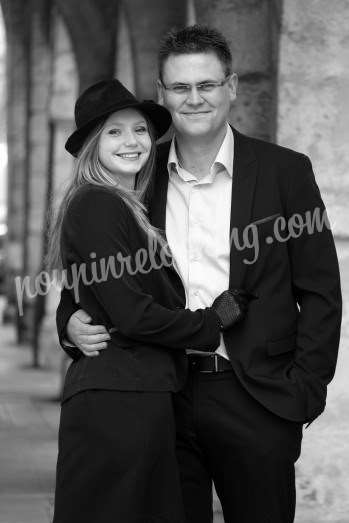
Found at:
<point>233,86</point>
<point>160,91</point>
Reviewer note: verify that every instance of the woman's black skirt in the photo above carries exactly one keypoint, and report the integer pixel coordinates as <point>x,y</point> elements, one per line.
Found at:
<point>116,459</point>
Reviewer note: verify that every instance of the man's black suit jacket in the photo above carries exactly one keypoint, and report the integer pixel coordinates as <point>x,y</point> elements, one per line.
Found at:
<point>285,351</point>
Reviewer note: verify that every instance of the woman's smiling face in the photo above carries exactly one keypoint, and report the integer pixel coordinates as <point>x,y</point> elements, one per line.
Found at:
<point>125,143</point>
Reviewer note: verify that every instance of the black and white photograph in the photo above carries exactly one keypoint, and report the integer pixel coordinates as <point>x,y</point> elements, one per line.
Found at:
<point>174,261</point>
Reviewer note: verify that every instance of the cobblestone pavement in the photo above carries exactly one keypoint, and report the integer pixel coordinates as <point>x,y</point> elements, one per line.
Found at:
<point>29,414</point>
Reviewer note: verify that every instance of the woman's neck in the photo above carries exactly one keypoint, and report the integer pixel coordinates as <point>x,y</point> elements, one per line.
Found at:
<point>126,181</point>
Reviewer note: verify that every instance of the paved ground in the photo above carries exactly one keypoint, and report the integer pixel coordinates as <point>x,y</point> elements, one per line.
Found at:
<point>29,416</point>
<point>28,432</point>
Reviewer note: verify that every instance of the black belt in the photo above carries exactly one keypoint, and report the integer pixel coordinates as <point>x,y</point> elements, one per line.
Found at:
<point>209,363</point>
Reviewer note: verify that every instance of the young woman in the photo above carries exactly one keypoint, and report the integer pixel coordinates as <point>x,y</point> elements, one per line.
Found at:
<point>116,460</point>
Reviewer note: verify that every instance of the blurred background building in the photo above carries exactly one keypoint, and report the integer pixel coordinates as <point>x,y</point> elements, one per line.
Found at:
<point>292,58</point>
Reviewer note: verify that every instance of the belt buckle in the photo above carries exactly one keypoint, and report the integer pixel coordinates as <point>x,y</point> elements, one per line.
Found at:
<point>215,356</point>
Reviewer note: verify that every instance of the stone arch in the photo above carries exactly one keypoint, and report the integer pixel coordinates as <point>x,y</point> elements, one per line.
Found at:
<point>146,31</point>
<point>91,26</point>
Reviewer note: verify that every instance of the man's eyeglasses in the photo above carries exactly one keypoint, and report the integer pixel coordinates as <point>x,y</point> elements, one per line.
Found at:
<point>202,87</point>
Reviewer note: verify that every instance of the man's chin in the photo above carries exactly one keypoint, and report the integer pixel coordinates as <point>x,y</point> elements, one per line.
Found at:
<point>195,129</point>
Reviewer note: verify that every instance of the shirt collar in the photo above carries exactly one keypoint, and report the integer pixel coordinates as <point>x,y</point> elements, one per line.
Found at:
<point>223,161</point>
<point>225,156</point>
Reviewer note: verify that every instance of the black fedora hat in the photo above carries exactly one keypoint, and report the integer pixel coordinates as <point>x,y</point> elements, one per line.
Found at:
<point>106,97</point>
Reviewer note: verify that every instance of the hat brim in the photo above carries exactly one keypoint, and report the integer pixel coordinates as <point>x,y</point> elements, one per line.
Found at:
<point>157,114</point>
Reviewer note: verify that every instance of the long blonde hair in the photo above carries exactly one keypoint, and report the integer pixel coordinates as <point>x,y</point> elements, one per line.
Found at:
<point>89,170</point>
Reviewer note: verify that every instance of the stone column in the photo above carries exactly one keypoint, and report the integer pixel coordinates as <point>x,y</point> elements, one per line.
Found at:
<point>148,23</point>
<point>38,159</point>
<point>313,109</point>
<point>17,38</point>
<point>251,28</point>
<point>61,114</point>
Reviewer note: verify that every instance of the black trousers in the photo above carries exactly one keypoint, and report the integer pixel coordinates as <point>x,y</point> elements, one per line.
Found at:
<point>225,435</point>
<point>117,459</point>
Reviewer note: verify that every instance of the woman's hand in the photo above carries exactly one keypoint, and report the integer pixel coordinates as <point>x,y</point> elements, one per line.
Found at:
<point>231,306</point>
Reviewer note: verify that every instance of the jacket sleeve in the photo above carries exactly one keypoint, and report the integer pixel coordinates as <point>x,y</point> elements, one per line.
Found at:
<point>97,225</point>
<point>65,309</point>
<point>316,283</point>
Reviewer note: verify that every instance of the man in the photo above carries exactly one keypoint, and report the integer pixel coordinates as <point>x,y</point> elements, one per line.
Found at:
<point>245,213</point>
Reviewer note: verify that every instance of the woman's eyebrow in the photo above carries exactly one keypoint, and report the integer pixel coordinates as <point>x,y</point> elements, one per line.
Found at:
<point>121,124</point>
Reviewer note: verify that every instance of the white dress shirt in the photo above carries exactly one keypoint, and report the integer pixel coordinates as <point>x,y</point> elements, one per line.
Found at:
<point>197,226</point>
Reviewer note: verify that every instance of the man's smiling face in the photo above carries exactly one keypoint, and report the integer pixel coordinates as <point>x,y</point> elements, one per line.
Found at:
<point>197,114</point>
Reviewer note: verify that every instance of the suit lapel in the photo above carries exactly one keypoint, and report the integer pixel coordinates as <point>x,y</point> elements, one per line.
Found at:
<point>243,188</point>
<point>157,210</point>
<point>159,196</point>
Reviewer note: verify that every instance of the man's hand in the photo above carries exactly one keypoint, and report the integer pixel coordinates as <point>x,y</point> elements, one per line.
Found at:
<point>90,339</point>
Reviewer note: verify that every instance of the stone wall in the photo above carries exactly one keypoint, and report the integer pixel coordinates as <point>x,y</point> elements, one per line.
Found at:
<point>323,468</point>
<point>313,117</point>
<point>251,28</point>
<point>313,95</point>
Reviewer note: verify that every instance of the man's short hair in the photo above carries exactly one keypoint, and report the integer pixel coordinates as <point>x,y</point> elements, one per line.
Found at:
<point>195,39</point>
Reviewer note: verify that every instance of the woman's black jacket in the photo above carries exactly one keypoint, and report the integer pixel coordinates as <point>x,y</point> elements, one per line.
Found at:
<point>113,271</point>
